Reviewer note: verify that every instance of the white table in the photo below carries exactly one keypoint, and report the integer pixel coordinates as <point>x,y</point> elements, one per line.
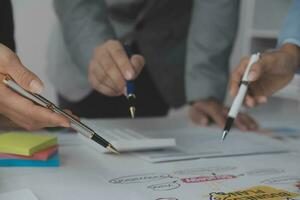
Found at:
<point>85,174</point>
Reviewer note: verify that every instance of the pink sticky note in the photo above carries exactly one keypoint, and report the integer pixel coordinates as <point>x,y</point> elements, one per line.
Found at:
<point>42,155</point>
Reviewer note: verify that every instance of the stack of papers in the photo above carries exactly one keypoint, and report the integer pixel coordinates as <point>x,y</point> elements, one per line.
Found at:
<point>129,140</point>
<point>27,149</point>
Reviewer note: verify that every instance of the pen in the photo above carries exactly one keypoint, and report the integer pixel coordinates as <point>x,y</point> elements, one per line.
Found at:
<point>74,123</point>
<point>130,86</point>
<point>238,100</point>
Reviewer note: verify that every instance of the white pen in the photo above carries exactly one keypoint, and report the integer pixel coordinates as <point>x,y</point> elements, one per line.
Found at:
<point>238,100</point>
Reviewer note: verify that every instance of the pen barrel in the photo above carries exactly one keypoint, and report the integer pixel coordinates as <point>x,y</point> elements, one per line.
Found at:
<point>238,100</point>
<point>130,88</point>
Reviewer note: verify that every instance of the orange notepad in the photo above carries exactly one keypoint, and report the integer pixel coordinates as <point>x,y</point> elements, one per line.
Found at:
<point>25,144</point>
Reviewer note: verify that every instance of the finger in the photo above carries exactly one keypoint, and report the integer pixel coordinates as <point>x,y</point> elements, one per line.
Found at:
<point>11,65</point>
<point>110,71</point>
<point>256,70</point>
<point>101,77</point>
<point>261,99</point>
<point>237,75</point>
<point>215,112</point>
<point>240,124</point>
<point>198,117</point>
<point>101,87</point>
<point>250,101</point>
<point>33,117</point>
<point>138,63</point>
<point>246,123</point>
<point>118,53</point>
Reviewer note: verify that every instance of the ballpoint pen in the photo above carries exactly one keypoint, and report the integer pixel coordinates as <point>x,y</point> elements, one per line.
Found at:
<point>130,86</point>
<point>238,100</point>
<point>74,123</point>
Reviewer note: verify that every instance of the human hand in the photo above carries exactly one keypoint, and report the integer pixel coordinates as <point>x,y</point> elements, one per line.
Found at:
<point>110,67</point>
<point>17,108</point>
<point>203,111</point>
<point>270,73</point>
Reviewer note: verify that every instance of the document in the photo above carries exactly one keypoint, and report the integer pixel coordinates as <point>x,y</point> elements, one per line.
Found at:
<point>199,142</point>
<point>24,194</point>
<point>127,139</point>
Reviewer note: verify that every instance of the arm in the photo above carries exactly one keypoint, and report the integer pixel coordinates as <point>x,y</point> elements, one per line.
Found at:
<point>211,36</point>
<point>85,25</point>
<point>275,69</point>
<point>88,36</point>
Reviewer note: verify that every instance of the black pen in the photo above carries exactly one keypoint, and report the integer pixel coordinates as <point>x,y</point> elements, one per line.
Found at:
<point>130,86</point>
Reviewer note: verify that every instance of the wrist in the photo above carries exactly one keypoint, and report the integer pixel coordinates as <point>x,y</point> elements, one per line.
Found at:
<point>294,52</point>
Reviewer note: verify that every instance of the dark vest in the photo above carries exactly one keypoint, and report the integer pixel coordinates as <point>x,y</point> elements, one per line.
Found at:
<point>6,24</point>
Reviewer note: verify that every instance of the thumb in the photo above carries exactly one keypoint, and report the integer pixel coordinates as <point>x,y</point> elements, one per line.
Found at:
<point>24,77</point>
<point>138,63</point>
<point>11,65</point>
<point>256,71</point>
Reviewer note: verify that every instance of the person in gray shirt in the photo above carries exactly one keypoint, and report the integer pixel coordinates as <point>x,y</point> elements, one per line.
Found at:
<point>185,44</point>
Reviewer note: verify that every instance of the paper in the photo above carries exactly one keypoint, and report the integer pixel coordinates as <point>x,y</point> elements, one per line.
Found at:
<point>24,194</point>
<point>25,144</point>
<point>128,140</point>
<point>261,177</point>
<point>255,193</point>
<point>195,143</point>
<point>42,155</point>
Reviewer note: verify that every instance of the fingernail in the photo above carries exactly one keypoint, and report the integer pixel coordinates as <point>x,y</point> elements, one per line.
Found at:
<point>262,100</point>
<point>125,91</point>
<point>36,87</point>
<point>251,75</point>
<point>128,75</point>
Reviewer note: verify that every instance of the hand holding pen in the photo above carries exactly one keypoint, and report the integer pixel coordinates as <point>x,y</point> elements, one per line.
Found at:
<point>18,109</point>
<point>110,68</point>
<point>238,100</point>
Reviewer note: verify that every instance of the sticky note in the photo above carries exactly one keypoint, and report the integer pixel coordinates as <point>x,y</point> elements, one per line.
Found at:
<point>52,162</point>
<point>255,193</point>
<point>25,144</point>
<point>42,155</point>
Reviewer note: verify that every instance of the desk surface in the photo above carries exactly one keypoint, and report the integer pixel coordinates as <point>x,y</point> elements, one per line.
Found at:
<point>86,174</point>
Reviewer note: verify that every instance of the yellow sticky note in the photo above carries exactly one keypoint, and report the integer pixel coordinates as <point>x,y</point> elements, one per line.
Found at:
<point>25,144</point>
<point>255,193</point>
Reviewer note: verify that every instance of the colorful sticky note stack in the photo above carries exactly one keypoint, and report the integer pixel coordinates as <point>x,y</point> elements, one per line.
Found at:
<point>28,150</point>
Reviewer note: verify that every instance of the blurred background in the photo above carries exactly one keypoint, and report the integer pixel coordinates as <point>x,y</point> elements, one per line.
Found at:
<point>258,29</point>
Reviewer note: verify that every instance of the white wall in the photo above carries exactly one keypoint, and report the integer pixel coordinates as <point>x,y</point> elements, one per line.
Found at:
<point>33,22</point>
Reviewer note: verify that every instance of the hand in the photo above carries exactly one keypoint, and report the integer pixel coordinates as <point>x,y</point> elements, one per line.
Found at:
<point>110,67</point>
<point>201,112</point>
<point>270,73</point>
<point>17,108</point>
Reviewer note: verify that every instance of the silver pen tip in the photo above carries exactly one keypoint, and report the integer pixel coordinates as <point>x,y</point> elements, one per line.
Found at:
<point>224,135</point>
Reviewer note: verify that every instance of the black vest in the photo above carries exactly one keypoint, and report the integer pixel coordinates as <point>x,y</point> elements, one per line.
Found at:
<point>6,24</point>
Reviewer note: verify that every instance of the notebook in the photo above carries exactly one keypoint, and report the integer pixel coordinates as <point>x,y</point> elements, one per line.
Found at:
<point>25,144</point>
<point>129,140</point>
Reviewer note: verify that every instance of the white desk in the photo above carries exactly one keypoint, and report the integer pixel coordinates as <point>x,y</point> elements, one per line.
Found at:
<point>85,174</point>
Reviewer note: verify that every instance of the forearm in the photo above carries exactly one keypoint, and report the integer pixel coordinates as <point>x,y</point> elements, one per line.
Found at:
<point>85,25</point>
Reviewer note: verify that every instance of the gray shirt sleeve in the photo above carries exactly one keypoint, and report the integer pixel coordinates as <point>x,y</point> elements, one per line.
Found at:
<point>210,40</point>
<point>84,25</point>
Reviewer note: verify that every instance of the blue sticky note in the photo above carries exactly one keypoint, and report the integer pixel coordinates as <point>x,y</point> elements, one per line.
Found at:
<point>52,162</point>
